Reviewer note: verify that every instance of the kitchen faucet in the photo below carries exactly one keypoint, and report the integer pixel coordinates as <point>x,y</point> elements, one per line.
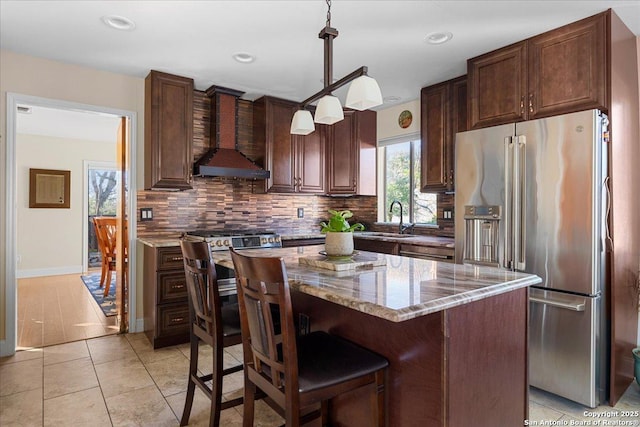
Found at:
<point>401,228</point>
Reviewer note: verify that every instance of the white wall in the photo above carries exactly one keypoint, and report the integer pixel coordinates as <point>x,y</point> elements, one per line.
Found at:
<point>388,126</point>
<point>28,75</point>
<point>50,240</point>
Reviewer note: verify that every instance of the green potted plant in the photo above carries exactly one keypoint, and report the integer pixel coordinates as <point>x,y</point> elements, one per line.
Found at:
<point>339,240</point>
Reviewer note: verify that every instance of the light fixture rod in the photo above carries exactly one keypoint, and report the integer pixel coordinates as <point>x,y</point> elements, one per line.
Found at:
<point>362,71</point>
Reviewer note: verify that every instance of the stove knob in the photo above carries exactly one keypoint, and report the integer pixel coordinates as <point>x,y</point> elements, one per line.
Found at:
<point>263,240</point>
<point>277,239</point>
<point>226,242</point>
<point>270,239</point>
<point>218,242</point>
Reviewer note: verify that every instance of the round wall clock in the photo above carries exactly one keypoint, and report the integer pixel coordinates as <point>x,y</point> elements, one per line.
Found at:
<point>404,119</point>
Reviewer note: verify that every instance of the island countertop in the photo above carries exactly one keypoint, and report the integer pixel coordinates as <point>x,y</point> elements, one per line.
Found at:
<point>403,289</point>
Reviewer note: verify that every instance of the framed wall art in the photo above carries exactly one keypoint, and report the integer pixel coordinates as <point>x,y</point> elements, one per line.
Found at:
<point>49,188</point>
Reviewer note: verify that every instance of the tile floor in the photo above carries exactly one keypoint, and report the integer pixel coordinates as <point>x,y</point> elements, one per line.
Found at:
<point>119,380</point>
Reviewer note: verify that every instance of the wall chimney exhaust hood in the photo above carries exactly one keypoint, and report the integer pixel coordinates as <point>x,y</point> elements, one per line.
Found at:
<point>224,159</point>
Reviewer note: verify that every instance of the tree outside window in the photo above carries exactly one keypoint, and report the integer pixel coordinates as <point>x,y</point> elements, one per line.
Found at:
<point>401,172</point>
<point>102,200</point>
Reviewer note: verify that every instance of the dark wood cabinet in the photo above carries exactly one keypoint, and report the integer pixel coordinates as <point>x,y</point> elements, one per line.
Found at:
<point>168,132</point>
<point>567,69</point>
<point>292,243</point>
<point>379,246</point>
<point>497,86</point>
<point>443,110</point>
<point>342,156</point>
<point>310,162</point>
<point>166,308</point>
<point>557,72</point>
<point>351,154</point>
<point>296,162</point>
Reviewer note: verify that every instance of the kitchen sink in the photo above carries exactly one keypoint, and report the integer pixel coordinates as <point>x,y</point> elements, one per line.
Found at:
<point>382,234</point>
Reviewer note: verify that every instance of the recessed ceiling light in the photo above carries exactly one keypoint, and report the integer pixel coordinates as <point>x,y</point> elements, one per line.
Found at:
<point>119,22</point>
<point>391,98</point>
<point>438,38</point>
<point>244,57</point>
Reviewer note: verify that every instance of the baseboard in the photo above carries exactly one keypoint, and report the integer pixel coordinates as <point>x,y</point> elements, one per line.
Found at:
<point>139,325</point>
<point>54,271</point>
<point>4,351</point>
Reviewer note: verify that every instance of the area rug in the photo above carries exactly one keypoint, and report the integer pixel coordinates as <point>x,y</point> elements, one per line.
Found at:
<point>108,304</point>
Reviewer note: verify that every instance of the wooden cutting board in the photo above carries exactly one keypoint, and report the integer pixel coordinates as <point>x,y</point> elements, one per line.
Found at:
<point>359,260</point>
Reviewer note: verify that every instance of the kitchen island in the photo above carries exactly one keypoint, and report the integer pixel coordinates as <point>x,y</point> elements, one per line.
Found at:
<point>455,335</point>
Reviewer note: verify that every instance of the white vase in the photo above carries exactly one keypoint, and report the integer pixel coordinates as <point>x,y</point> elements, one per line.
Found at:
<point>339,244</point>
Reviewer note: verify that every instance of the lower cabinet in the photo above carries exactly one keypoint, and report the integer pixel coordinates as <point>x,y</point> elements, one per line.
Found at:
<point>379,246</point>
<point>292,243</point>
<point>166,309</point>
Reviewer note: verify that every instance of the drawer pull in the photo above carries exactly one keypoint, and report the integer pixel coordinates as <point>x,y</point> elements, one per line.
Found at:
<point>177,319</point>
<point>179,286</point>
<point>175,258</point>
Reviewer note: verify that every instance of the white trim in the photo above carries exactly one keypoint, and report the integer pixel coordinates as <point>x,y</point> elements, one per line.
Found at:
<point>139,326</point>
<point>8,345</point>
<point>408,137</point>
<point>86,165</point>
<point>54,271</point>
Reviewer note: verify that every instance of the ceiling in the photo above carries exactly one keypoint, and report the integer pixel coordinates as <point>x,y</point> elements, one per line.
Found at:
<point>68,124</point>
<point>198,38</point>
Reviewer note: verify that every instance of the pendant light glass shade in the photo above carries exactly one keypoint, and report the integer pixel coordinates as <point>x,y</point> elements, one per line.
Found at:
<point>364,93</point>
<point>329,110</point>
<point>302,123</point>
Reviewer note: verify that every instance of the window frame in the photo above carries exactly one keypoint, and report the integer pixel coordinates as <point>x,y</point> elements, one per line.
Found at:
<point>382,173</point>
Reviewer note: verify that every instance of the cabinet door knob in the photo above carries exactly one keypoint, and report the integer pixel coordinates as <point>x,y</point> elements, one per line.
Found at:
<point>522,104</point>
<point>531,103</point>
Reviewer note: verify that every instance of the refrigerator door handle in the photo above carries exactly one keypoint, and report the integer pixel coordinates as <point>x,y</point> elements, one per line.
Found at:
<point>559,304</point>
<point>519,185</point>
<point>508,198</point>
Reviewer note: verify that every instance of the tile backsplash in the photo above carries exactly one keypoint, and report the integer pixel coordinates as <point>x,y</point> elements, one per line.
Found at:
<point>217,203</point>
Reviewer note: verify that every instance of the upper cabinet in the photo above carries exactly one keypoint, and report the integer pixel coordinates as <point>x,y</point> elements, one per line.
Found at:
<point>168,132</point>
<point>351,154</point>
<point>443,110</point>
<point>296,162</point>
<point>337,160</point>
<point>557,72</point>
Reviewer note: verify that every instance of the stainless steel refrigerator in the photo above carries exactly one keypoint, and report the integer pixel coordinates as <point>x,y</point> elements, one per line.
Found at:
<point>531,196</point>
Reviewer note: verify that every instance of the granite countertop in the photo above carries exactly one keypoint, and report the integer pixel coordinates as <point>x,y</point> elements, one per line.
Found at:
<point>160,242</point>
<point>403,289</point>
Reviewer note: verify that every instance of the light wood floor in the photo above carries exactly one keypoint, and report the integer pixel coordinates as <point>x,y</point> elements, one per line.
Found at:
<point>58,309</point>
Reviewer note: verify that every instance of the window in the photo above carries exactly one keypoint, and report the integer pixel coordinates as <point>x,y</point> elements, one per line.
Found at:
<point>399,172</point>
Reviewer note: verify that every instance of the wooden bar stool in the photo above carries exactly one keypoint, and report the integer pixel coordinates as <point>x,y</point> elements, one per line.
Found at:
<point>210,322</point>
<point>296,374</point>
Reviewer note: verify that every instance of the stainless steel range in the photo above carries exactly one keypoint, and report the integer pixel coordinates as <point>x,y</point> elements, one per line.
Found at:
<point>222,240</point>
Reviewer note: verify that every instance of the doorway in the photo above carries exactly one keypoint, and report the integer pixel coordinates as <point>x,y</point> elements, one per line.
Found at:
<point>15,172</point>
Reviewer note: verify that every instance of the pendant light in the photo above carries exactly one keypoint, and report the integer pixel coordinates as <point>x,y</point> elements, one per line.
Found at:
<point>302,123</point>
<point>364,92</point>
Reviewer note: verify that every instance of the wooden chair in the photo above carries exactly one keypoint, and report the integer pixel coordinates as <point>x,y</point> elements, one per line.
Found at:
<point>210,322</point>
<point>106,235</point>
<point>296,374</point>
